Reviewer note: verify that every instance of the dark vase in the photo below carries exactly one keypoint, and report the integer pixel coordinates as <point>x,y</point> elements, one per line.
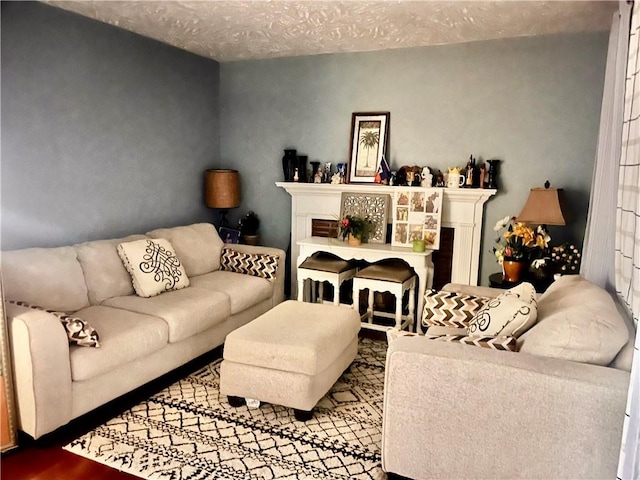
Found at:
<point>315,166</point>
<point>302,168</point>
<point>289,164</point>
<point>492,174</point>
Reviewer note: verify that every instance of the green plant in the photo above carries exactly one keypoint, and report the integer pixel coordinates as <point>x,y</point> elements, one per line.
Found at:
<point>357,226</point>
<point>249,224</point>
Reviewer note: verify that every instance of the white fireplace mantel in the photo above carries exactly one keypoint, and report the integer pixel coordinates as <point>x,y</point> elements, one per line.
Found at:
<point>462,210</point>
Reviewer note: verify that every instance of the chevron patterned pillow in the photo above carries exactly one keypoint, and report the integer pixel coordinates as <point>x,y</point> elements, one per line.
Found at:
<point>450,309</point>
<point>256,264</point>
<point>78,331</point>
<point>494,343</point>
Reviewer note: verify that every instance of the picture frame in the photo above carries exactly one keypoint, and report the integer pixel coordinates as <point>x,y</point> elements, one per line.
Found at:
<point>369,142</point>
<point>229,235</point>
<point>416,215</point>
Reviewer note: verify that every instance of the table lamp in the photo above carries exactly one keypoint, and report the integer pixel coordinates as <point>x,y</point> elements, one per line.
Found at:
<point>542,207</point>
<point>222,191</point>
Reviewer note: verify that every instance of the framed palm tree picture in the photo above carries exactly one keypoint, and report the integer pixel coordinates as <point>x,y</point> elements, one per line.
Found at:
<point>369,139</point>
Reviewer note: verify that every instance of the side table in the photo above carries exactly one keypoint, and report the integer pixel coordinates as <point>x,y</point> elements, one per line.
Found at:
<point>496,280</point>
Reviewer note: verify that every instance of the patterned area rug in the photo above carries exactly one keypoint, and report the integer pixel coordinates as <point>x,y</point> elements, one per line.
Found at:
<point>187,431</point>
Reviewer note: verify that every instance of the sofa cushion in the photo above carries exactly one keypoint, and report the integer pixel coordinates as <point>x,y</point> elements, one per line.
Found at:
<point>577,321</point>
<point>450,309</point>
<point>256,264</point>
<point>198,246</point>
<point>511,313</point>
<point>125,336</point>
<point>49,277</point>
<point>104,273</point>
<point>153,266</point>
<point>187,311</point>
<point>78,330</point>
<point>244,291</point>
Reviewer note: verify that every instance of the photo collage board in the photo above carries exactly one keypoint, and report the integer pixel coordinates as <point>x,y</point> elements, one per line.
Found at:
<point>416,215</point>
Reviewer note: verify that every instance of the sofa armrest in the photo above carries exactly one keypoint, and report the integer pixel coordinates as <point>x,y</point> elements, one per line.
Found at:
<point>42,370</point>
<point>460,411</point>
<point>278,284</point>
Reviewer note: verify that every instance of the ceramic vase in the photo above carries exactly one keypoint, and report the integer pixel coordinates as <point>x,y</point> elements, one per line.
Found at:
<point>354,241</point>
<point>513,271</point>
<point>289,164</point>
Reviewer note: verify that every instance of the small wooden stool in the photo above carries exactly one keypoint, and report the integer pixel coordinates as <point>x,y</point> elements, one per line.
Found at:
<point>393,276</point>
<point>325,267</point>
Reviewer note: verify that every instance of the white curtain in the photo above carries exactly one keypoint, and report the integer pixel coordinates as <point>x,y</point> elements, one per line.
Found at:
<point>598,255</point>
<point>627,244</point>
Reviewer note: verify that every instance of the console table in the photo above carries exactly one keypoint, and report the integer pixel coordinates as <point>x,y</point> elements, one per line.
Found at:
<point>373,252</point>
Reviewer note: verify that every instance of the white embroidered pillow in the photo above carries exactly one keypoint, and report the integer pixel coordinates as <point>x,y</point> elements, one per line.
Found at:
<point>509,314</point>
<point>153,266</point>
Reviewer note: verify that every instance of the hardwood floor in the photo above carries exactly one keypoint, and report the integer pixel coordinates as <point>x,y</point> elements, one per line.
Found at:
<point>46,460</point>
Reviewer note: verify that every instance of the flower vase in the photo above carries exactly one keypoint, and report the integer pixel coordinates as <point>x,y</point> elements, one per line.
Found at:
<point>354,241</point>
<point>513,270</point>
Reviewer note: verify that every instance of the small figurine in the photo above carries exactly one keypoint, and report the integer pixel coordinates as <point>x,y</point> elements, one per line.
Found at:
<point>439,179</point>
<point>427,177</point>
<point>471,165</point>
<point>317,178</point>
<point>483,176</point>
<point>336,178</point>
<point>296,177</point>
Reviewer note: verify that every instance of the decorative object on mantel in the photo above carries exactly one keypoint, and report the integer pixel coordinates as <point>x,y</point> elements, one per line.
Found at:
<point>416,216</point>
<point>454,178</point>
<point>374,206</point>
<point>301,165</point>
<point>492,173</point>
<point>369,143</point>
<point>356,229</point>
<point>383,173</point>
<point>289,162</point>
<point>222,191</point>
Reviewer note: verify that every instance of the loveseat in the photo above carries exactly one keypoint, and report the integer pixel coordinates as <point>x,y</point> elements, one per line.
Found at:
<point>58,373</point>
<point>552,409</point>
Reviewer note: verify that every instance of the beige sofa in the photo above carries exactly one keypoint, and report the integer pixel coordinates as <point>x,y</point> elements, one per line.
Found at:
<point>554,409</point>
<point>140,338</point>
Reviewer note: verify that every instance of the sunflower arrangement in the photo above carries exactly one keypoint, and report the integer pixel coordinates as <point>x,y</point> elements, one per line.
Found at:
<point>520,242</point>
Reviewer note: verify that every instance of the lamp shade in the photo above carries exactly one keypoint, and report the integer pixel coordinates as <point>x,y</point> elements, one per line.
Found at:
<point>222,188</point>
<point>542,208</point>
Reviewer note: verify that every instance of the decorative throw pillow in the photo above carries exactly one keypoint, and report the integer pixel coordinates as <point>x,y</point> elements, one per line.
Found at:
<point>256,264</point>
<point>153,266</point>
<point>78,331</point>
<point>506,315</point>
<point>450,309</point>
<point>493,342</point>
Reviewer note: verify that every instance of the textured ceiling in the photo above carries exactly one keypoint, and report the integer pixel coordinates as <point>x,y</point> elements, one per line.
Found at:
<point>239,30</point>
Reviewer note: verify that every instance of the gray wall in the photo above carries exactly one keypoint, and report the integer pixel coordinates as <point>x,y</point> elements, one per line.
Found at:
<point>104,132</point>
<point>534,103</point>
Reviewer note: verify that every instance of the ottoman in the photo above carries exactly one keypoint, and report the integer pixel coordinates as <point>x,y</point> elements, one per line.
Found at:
<point>291,355</point>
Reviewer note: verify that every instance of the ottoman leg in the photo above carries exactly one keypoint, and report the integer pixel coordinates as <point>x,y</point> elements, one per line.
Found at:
<point>235,401</point>
<point>303,415</point>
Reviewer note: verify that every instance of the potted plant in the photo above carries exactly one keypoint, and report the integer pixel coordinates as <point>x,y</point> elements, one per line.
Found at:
<point>518,247</point>
<point>356,228</point>
<point>248,226</point>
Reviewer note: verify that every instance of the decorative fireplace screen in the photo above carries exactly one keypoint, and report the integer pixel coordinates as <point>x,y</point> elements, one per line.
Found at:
<point>372,205</point>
